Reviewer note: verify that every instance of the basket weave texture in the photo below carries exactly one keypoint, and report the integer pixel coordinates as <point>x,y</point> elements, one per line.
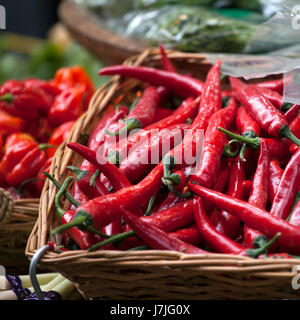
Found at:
<point>17,218</point>
<point>151,274</point>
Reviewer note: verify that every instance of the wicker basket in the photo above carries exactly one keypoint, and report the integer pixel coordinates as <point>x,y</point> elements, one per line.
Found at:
<point>17,218</point>
<point>152,274</point>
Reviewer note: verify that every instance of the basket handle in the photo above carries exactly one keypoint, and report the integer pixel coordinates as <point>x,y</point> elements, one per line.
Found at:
<point>6,206</point>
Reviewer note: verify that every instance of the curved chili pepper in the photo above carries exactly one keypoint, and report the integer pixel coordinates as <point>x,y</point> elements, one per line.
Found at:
<point>189,235</point>
<point>148,152</point>
<point>245,122</point>
<point>224,221</point>
<point>287,188</point>
<point>292,113</point>
<point>254,217</point>
<point>263,111</point>
<point>162,113</point>
<point>58,136</point>
<point>295,126</point>
<point>213,145</point>
<point>295,215</point>
<point>185,111</point>
<point>246,186</point>
<point>218,241</point>
<point>166,62</point>
<point>156,238</point>
<point>276,173</point>
<point>275,85</point>
<point>101,211</point>
<point>182,85</point>
<point>10,124</point>
<point>259,192</point>
<point>68,106</point>
<point>141,115</point>
<point>274,97</point>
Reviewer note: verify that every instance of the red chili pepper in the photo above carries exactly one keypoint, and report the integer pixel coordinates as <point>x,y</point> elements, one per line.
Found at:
<point>70,77</point>
<point>20,101</point>
<point>276,173</point>
<point>245,122</point>
<point>225,222</point>
<point>184,86</point>
<point>254,217</point>
<point>173,218</point>
<point>170,201</point>
<point>292,113</point>
<point>148,152</point>
<point>210,100</point>
<point>41,129</point>
<point>41,177</point>
<point>213,146</point>
<point>274,97</point>
<point>186,110</point>
<point>142,114</point>
<point>59,135</point>
<point>162,113</point>
<point>167,63</point>
<point>287,188</point>
<point>218,241</point>
<point>275,85</point>
<point>189,235</point>
<point>295,215</point>
<point>259,193</point>
<point>295,126</point>
<point>10,124</point>
<point>17,145</point>
<point>68,106</point>
<point>28,167</point>
<point>263,111</point>
<point>247,186</point>
<point>156,238</point>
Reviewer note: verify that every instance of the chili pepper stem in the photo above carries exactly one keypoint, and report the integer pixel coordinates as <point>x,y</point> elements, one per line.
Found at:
<point>228,151</point>
<point>130,125</point>
<point>94,177</point>
<point>286,132</point>
<point>44,146</point>
<point>114,157</point>
<point>61,191</point>
<point>79,173</point>
<point>76,222</point>
<point>113,239</point>
<point>179,194</point>
<point>150,205</point>
<point>253,142</point>
<point>255,253</point>
<point>8,98</point>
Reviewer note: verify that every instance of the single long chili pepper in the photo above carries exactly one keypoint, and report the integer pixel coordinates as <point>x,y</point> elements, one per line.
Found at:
<point>142,114</point>
<point>275,85</point>
<point>254,217</point>
<point>295,215</point>
<point>274,97</point>
<point>276,173</point>
<point>166,62</point>
<point>184,86</point>
<point>169,201</point>
<point>148,152</point>
<point>246,186</point>
<point>245,122</point>
<point>186,110</point>
<point>213,145</point>
<point>189,235</point>
<point>292,113</point>
<point>101,211</point>
<point>162,113</point>
<point>287,188</point>
<point>156,238</point>
<point>218,241</point>
<point>259,192</point>
<point>263,111</point>
<point>224,221</point>
<point>295,126</point>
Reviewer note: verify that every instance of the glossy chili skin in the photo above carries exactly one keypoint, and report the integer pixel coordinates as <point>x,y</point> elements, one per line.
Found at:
<point>275,85</point>
<point>245,122</point>
<point>149,151</point>
<point>295,215</point>
<point>162,113</point>
<point>156,238</point>
<point>276,173</point>
<point>292,113</point>
<point>259,192</point>
<point>189,235</point>
<point>210,100</point>
<point>172,218</point>
<point>287,189</point>
<point>274,97</point>
<point>295,126</point>
<point>166,62</point>
<point>213,145</point>
<point>254,217</point>
<point>182,85</point>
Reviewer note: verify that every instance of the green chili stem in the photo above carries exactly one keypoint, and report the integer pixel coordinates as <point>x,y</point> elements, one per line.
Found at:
<point>59,194</point>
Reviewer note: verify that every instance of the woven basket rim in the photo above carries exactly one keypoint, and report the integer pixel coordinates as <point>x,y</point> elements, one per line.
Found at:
<point>213,261</point>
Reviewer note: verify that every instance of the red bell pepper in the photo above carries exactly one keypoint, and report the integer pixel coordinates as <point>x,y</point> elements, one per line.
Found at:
<point>10,124</point>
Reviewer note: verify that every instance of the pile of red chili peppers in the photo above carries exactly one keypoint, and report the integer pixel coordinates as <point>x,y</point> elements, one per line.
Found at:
<point>242,197</point>
<point>36,116</point>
